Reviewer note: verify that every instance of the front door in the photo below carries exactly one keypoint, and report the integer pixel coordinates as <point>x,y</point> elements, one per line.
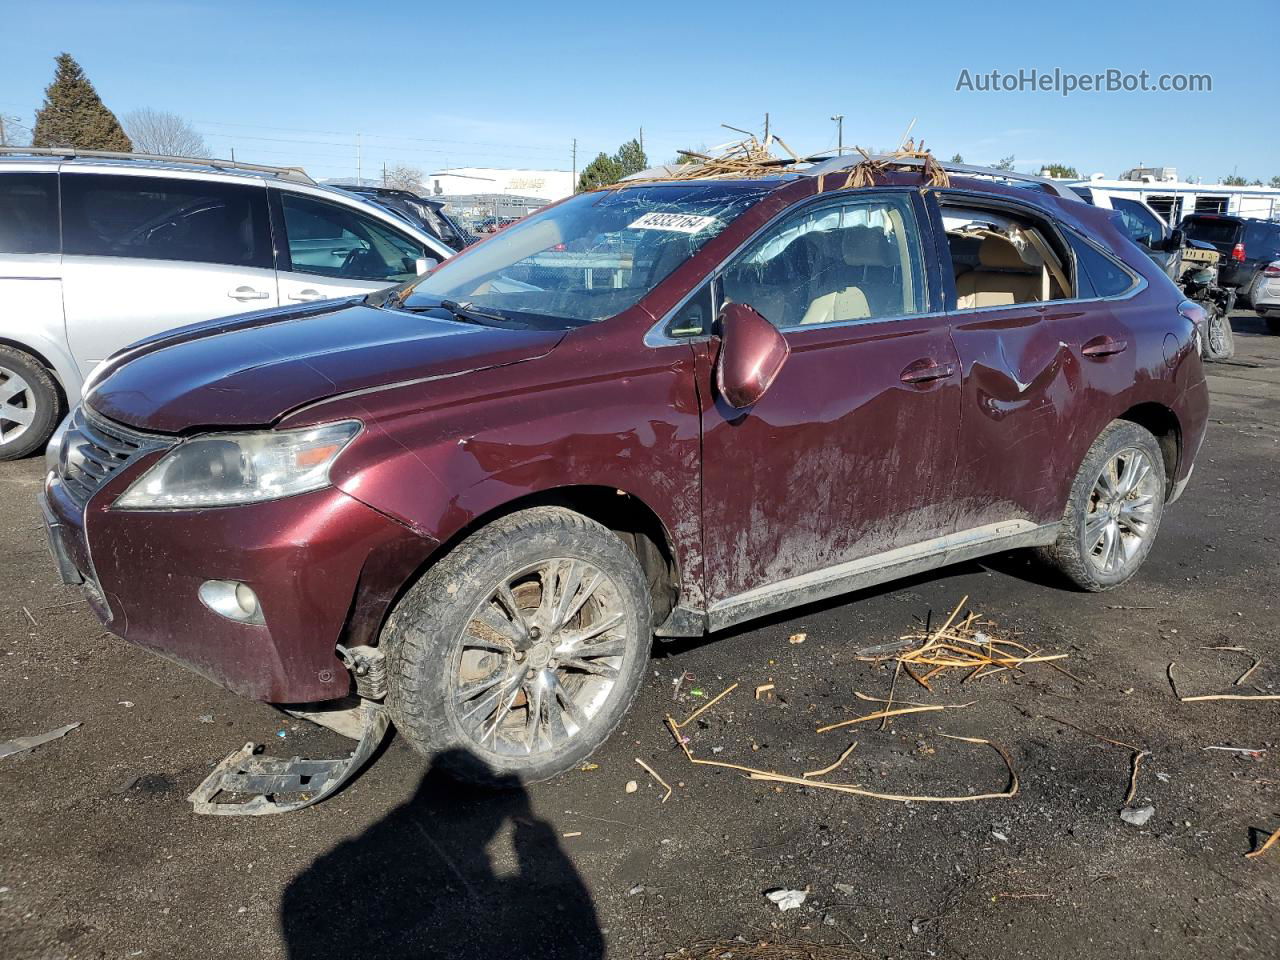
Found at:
<point>145,254</point>
<point>334,250</point>
<point>850,454</point>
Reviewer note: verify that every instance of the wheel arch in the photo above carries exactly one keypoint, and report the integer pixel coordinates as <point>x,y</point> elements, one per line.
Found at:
<point>68,391</point>
<point>635,522</point>
<point>1162,423</point>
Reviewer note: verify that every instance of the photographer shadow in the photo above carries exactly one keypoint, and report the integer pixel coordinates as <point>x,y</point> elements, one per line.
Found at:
<point>420,884</point>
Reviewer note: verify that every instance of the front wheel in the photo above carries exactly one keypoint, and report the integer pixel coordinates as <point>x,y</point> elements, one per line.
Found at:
<point>1114,511</point>
<point>520,651</point>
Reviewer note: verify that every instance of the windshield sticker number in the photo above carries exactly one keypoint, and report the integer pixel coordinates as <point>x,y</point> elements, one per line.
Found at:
<point>672,222</point>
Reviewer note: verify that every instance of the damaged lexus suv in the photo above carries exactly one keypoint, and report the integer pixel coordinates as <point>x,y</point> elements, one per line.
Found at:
<point>470,502</point>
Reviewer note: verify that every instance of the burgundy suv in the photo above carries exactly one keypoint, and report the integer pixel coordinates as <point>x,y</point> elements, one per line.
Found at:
<point>659,408</point>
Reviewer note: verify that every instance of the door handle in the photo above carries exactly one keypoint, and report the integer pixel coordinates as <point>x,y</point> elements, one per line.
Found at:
<point>306,295</point>
<point>247,293</point>
<point>927,370</point>
<point>1104,346</point>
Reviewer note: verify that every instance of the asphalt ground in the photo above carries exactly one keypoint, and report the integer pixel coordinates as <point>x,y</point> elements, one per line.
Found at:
<point>101,856</point>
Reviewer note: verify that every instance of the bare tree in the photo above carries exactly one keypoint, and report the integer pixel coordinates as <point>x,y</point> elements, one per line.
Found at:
<point>403,177</point>
<point>157,131</point>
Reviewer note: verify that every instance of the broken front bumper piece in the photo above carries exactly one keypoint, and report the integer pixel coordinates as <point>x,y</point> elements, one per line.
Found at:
<point>253,785</point>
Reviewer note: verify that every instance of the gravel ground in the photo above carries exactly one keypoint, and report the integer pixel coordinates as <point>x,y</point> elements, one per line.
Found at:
<point>100,855</point>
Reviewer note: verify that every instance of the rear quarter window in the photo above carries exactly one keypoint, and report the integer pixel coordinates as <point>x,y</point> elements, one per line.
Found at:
<point>1097,273</point>
<point>29,213</point>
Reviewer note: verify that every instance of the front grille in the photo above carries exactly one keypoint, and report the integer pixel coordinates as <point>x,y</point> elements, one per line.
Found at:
<point>94,449</point>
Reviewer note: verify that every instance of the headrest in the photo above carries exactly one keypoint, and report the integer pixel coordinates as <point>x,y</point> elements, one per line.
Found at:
<point>866,247</point>
<point>997,253</point>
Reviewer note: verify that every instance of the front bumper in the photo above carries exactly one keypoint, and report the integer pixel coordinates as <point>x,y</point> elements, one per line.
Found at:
<point>325,568</point>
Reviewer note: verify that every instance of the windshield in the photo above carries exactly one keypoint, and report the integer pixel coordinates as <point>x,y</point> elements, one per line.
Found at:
<point>1217,232</point>
<point>592,256</point>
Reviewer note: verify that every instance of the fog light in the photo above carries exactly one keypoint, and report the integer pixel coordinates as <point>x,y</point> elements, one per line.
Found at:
<point>232,599</point>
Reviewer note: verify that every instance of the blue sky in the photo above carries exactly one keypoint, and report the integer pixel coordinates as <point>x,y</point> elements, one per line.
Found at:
<point>512,84</point>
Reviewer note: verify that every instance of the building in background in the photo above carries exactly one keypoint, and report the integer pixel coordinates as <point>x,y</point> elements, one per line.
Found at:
<point>1173,199</point>
<point>546,185</point>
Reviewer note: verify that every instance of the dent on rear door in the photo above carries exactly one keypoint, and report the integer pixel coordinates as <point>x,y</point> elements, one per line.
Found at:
<point>1025,412</point>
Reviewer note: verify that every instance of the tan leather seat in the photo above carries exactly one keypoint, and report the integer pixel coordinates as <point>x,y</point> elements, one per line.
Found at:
<point>861,248</point>
<point>1002,279</point>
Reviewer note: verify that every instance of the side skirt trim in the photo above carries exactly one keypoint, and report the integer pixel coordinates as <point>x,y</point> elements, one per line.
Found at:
<point>867,572</point>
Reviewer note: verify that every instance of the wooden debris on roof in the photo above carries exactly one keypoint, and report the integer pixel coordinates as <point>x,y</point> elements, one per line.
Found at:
<point>865,173</point>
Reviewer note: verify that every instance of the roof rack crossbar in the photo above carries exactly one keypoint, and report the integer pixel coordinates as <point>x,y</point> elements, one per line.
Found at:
<point>71,153</point>
<point>846,161</point>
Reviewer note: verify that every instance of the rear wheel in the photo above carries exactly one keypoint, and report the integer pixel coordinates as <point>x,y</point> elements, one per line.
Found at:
<point>29,404</point>
<point>1114,512</point>
<point>522,649</point>
<point>1220,343</point>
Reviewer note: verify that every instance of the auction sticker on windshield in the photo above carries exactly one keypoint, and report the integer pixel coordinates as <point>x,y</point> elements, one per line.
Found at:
<point>675,222</point>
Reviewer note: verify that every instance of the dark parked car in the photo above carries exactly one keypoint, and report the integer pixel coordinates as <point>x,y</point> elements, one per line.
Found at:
<point>425,214</point>
<point>484,492</point>
<point>1247,245</point>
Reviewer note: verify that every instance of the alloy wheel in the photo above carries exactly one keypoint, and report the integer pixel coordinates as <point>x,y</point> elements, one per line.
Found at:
<point>1122,512</point>
<point>539,658</point>
<point>17,405</point>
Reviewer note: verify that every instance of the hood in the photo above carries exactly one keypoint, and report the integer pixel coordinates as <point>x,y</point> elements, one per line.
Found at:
<point>249,371</point>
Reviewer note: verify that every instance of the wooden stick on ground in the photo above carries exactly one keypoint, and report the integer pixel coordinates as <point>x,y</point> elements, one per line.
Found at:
<point>654,773</point>
<point>839,760</point>
<point>894,713</point>
<point>1264,848</point>
<point>1217,696</point>
<point>757,774</point>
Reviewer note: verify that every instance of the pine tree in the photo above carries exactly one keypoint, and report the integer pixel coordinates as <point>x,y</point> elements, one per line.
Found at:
<point>631,158</point>
<point>600,172</point>
<point>74,116</point>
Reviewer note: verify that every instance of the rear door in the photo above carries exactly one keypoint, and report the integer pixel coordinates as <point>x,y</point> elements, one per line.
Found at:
<point>329,249</point>
<point>144,254</point>
<point>850,453</point>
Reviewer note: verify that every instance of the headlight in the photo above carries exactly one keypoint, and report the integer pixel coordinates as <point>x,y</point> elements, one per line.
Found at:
<point>230,468</point>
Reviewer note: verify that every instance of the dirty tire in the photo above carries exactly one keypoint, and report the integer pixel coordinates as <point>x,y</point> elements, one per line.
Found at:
<point>1074,553</point>
<point>1219,342</point>
<point>29,404</point>
<point>431,635</point>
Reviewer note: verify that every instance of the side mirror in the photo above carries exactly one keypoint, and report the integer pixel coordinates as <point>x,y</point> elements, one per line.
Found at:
<point>752,352</point>
<point>1176,240</point>
<point>426,265</point>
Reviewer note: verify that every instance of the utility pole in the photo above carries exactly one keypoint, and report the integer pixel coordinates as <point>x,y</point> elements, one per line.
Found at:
<point>766,128</point>
<point>384,174</point>
<point>839,119</point>
<point>642,139</point>
<point>359,169</point>
<point>4,142</point>
<point>574,185</point>
<point>233,154</point>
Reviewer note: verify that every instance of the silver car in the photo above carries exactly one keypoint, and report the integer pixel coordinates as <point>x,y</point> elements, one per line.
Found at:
<point>99,250</point>
<point>1266,295</point>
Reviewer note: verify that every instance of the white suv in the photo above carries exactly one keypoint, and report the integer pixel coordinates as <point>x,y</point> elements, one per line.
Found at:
<point>99,250</point>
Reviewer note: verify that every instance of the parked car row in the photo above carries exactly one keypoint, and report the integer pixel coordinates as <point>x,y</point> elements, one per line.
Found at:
<point>472,499</point>
<point>99,251</point>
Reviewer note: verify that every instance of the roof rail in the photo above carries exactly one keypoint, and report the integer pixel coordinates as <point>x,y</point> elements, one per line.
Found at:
<point>846,161</point>
<point>71,153</point>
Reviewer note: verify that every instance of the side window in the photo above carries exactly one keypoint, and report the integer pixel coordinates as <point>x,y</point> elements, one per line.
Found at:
<point>158,218</point>
<point>1262,241</point>
<point>29,213</point>
<point>1139,223</point>
<point>332,240</point>
<point>1003,259</point>
<point>1106,277</point>
<point>836,263</point>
